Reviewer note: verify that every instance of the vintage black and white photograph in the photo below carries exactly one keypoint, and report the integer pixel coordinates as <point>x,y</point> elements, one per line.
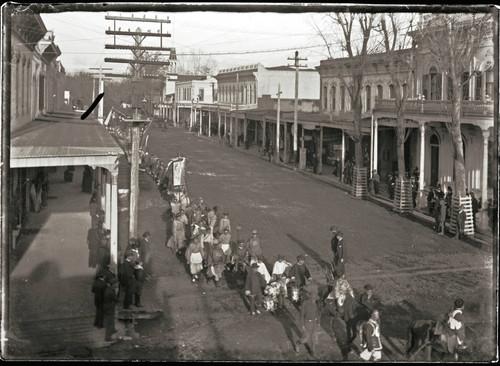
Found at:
<point>249,182</point>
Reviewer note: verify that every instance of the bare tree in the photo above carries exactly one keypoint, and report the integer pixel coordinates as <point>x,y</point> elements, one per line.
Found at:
<point>454,40</point>
<point>400,60</point>
<point>357,48</point>
<point>197,64</point>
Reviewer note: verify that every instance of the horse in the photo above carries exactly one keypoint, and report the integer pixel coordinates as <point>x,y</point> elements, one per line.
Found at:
<point>421,334</point>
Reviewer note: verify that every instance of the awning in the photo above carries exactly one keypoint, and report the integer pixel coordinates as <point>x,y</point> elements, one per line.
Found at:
<point>60,139</point>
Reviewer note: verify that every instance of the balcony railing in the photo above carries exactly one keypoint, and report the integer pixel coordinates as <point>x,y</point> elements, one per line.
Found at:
<point>470,108</point>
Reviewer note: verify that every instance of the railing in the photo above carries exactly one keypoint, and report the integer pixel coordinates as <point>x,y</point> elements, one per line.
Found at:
<point>470,108</point>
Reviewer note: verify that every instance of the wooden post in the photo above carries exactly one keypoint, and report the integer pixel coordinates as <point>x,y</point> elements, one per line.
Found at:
<point>277,152</point>
<point>320,153</point>
<point>134,181</point>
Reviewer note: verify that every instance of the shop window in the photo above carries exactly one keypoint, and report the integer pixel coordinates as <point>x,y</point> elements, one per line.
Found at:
<point>201,95</point>
<point>333,97</point>
<point>380,92</point>
<point>368,98</point>
<point>392,93</point>
<point>478,92</point>
<point>342,98</point>
<point>435,84</point>
<point>465,85</point>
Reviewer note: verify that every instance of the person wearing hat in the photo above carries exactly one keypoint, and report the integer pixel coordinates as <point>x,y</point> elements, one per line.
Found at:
<point>240,256</point>
<point>139,278</point>
<point>194,258</point>
<point>179,234</point>
<point>127,278</point>
<point>254,245</point>
<point>280,272</point>
<point>203,206</point>
<point>254,285</point>
<point>456,327</point>
<point>215,262</point>
<point>461,217</point>
<point>175,205</point>
<point>367,301</point>
<point>333,242</point>
<point>309,319</point>
<point>371,344</point>
<point>110,299</point>
<point>98,287</point>
<point>262,268</point>
<point>225,243</point>
<point>212,219</point>
<point>224,223</point>
<point>299,272</point>
<point>338,247</point>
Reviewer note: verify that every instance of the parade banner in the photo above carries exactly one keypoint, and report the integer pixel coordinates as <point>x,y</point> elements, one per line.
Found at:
<point>178,169</point>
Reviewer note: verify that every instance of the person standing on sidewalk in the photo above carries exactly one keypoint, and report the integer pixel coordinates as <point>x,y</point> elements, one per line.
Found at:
<point>98,288</point>
<point>442,216</point>
<point>461,217</point>
<point>254,284</point>
<point>437,215</point>
<point>139,278</point>
<point>308,323</point>
<point>127,278</point>
<point>109,308</point>
<point>93,241</point>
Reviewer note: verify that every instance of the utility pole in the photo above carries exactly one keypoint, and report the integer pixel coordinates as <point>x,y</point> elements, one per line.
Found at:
<point>236,135</point>
<point>296,60</point>
<point>277,152</point>
<point>100,113</point>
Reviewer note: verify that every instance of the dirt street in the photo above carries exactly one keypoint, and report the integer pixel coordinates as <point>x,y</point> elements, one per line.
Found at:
<point>415,273</point>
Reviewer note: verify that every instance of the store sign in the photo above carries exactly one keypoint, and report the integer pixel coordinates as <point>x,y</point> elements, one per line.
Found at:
<point>178,172</point>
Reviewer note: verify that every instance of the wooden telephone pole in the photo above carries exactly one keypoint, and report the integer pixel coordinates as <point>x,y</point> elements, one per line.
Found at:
<point>277,152</point>
<point>296,60</point>
<point>137,63</point>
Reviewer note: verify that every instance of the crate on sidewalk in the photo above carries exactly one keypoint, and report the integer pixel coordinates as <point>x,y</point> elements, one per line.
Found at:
<point>457,201</point>
<point>402,202</point>
<point>359,183</point>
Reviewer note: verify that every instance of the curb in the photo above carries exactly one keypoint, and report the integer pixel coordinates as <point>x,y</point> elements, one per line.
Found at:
<point>379,201</point>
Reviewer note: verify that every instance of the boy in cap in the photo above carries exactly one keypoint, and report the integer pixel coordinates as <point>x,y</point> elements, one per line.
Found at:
<point>254,285</point>
<point>280,272</point>
<point>225,242</point>
<point>240,256</point>
<point>254,246</point>
<point>224,223</point>
<point>194,258</point>
<point>367,301</point>
<point>127,278</point>
<point>308,324</point>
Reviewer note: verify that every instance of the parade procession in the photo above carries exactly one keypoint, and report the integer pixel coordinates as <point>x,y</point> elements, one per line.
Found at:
<point>273,184</point>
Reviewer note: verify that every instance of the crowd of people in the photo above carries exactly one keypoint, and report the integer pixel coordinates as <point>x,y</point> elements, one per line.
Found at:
<point>204,238</point>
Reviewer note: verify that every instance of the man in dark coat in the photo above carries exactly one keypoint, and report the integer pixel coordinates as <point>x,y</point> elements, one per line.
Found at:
<point>254,284</point>
<point>308,325</point>
<point>139,278</point>
<point>93,241</point>
<point>461,217</point>
<point>475,208</point>
<point>109,307</point>
<point>127,279</point>
<point>98,287</point>
<point>367,303</point>
<point>299,272</point>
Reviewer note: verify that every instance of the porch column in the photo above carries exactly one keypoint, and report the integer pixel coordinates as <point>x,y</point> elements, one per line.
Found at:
<point>484,180</point>
<point>113,247</point>
<point>263,132</point>
<point>218,124</point>
<point>231,130</point>
<point>209,122</point>
<point>201,118</point>
<point>371,148</point>
<point>320,152</point>
<point>285,141</point>
<point>342,157</point>
<point>256,137</point>
<point>107,216</point>
<point>422,156</point>
<point>191,118</point>
<point>375,144</point>
<point>225,125</point>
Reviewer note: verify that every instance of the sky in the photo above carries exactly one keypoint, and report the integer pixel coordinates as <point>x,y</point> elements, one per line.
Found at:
<point>81,37</point>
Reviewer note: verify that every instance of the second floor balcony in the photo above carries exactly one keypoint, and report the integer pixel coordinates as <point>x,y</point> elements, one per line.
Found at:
<point>469,108</point>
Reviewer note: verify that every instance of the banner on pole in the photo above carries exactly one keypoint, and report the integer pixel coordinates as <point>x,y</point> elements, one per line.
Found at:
<point>178,172</point>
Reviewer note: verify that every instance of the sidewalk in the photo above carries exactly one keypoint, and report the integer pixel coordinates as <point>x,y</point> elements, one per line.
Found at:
<point>480,239</point>
<point>50,301</point>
